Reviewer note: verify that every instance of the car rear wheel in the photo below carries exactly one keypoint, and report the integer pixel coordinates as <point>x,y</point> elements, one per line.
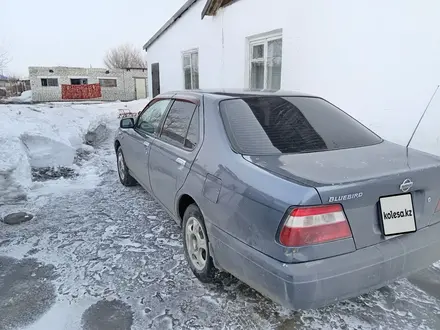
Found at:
<point>196,244</point>
<point>124,176</point>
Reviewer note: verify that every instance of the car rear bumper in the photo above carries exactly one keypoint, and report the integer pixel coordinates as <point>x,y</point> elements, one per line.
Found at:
<point>319,283</point>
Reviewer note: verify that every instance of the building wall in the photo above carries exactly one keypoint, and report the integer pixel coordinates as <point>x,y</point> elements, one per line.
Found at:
<point>187,33</point>
<point>378,60</point>
<point>125,90</point>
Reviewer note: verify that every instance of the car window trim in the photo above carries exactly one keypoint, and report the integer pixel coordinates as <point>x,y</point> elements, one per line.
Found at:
<point>196,111</point>
<point>176,144</point>
<point>154,101</point>
<point>162,121</point>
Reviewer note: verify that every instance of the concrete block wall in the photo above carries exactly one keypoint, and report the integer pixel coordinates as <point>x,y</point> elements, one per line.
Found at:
<point>125,90</point>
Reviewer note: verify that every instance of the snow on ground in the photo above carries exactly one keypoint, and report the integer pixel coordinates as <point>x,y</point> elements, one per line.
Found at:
<point>98,255</point>
<point>50,135</point>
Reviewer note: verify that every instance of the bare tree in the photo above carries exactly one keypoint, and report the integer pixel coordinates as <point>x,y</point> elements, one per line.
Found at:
<point>4,58</point>
<point>125,56</point>
<point>13,77</point>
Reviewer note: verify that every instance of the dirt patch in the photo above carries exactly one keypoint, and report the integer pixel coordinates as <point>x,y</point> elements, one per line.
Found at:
<point>26,291</point>
<point>52,173</point>
<point>108,315</point>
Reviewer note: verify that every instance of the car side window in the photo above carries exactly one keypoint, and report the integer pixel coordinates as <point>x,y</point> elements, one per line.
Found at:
<point>150,119</point>
<point>177,121</point>
<point>192,137</point>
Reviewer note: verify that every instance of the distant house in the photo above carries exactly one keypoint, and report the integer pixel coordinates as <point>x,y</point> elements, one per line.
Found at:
<point>3,85</point>
<point>69,83</point>
<point>362,55</point>
<point>26,83</point>
<point>4,82</point>
<point>11,86</point>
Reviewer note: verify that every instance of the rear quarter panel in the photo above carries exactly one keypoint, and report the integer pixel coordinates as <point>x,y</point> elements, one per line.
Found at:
<point>251,202</point>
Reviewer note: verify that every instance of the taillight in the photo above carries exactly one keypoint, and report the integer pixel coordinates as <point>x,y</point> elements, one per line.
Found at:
<point>314,225</point>
<point>437,208</point>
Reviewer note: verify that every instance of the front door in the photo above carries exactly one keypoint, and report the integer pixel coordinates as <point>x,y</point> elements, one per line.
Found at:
<point>141,88</point>
<point>139,140</point>
<point>155,79</point>
<point>174,151</point>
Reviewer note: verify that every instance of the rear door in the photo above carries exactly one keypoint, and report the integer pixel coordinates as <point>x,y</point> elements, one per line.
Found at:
<point>174,151</point>
<point>138,141</point>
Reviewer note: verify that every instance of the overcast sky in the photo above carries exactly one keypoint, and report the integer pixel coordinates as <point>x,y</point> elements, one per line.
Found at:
<point>76,33</point>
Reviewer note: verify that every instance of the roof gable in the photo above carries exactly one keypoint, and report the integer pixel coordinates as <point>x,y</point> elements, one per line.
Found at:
<point>210,9</point>
<point>170,22</point>
<point>212,6</point>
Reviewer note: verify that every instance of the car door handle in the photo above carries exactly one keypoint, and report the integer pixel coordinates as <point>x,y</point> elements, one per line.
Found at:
<point>146,144</point>
<point>180,161</point>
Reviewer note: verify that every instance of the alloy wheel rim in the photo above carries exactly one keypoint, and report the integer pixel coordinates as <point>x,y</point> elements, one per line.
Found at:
<point>121,166</point>
<point>196,243</point>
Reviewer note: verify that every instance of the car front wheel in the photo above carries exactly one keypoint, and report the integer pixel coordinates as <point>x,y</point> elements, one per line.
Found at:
<point>196,244</point>
<point>124,176</point>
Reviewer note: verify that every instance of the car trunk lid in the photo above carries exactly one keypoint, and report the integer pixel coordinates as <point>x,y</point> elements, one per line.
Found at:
<point>358,177</point>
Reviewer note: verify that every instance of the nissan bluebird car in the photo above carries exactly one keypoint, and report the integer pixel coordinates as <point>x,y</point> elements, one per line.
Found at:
<point>284,191</point>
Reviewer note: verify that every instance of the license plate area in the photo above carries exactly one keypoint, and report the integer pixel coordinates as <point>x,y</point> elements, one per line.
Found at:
<point>397,215</point>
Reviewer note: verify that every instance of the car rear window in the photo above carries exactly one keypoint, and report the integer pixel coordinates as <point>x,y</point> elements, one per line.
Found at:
<point>267,125</point>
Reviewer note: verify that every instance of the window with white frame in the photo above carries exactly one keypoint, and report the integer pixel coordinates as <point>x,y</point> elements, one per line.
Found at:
<point>265,61</point>
<point>191,69</point>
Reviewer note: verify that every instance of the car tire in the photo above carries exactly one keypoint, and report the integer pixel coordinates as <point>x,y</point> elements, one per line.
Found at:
<point>196,245</point>
<point>123,173</point>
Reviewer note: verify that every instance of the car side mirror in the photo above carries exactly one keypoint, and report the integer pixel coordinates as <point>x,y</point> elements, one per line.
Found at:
<point>126,123</point>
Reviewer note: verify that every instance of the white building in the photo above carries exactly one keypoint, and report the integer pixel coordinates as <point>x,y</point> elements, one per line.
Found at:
<point>116,84</point>
<point>366,56</point>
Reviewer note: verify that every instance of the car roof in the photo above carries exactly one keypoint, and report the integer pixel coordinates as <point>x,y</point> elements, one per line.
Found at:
<point>233,93</point>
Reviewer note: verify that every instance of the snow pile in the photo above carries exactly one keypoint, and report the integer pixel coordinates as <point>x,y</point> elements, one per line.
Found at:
<point>46,151</point>
<point>25,97</point>
<point>50,136</point>
<point>15,171</point>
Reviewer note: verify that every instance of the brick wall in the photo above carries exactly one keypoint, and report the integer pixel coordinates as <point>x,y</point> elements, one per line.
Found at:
<point>125,90</point>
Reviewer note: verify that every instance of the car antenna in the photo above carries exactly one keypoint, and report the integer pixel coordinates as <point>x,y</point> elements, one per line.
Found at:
<point>420,120</point>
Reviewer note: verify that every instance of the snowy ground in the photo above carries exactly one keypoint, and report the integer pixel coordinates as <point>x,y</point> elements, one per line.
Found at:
<point>98,255</point>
